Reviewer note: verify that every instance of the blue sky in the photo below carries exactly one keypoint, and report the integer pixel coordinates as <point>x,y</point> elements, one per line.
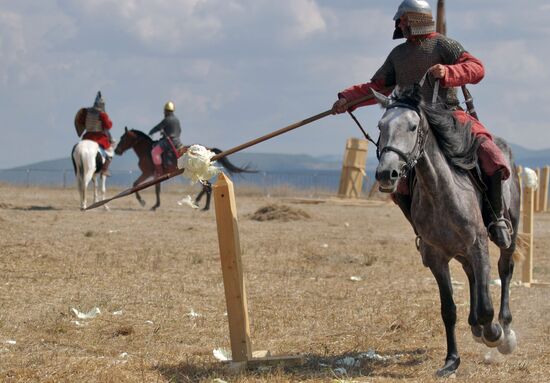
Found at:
<point>238,69</point>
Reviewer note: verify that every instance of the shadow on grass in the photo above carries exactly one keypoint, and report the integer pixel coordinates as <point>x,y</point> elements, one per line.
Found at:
<point>28,208</point>
<point>398,364</point>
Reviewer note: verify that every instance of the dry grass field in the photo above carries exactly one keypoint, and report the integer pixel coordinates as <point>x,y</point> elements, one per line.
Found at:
<point>156,278</point>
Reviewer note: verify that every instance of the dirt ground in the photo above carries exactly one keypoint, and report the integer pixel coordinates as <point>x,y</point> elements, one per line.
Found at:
<point>345,282</point>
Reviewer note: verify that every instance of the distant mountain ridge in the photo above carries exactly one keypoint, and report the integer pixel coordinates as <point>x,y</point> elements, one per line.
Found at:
<point>271,162</point>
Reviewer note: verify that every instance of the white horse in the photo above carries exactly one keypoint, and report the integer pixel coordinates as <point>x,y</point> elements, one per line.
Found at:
<point>88,161</point>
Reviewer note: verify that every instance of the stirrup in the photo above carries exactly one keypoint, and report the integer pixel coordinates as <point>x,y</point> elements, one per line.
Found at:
<point>504,226</point>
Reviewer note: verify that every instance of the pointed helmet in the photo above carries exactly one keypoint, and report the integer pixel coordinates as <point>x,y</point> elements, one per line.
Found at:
<point>99,103</point>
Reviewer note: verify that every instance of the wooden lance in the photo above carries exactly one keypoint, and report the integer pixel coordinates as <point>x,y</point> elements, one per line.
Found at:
<point>238,148</point>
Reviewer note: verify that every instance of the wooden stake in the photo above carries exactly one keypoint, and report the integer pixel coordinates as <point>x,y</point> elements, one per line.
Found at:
<point>528,213</point>
<point>537,191</point>
<point>543,186</point>
<point>233,279</point>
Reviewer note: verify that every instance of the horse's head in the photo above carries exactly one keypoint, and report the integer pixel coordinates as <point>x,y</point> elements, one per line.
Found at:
<point>401,136</point>
<point>127,141</point>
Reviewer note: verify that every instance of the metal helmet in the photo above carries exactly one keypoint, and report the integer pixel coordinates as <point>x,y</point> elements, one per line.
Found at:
<point>169,106</point>
<point>99,103</point>
<point>413,6</point>
<point>420,18</point>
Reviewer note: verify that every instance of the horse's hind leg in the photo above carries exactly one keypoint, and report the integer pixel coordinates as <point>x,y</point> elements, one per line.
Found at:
<point>440,269</point>
<point>208,187</point>
<point>157,193</point>
<point>82,192</point>
<point>505,271</point>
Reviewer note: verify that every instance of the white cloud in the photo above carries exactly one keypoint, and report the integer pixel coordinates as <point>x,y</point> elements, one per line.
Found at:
<point>308,18</point>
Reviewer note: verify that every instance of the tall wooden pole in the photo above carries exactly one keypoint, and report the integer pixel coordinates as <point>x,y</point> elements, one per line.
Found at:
<point>441,23</point>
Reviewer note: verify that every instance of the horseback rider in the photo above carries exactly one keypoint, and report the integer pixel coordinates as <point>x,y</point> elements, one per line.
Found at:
<point>97,125</point>
<point>170,130</point>
<point>442,59</point>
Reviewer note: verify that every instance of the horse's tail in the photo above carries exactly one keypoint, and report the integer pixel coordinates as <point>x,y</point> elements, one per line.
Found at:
<point>84,159</point>
<point>230,167</point>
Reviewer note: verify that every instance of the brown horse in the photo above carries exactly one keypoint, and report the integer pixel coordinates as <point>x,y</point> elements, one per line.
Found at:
<point>142,145</point>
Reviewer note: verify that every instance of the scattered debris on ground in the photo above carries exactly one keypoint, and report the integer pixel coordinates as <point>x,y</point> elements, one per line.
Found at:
<point>279,212</point>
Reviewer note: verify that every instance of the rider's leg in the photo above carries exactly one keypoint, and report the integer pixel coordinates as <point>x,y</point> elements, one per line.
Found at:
<point>105,168</point>
<point>156,155</point>
<point>494,165</point>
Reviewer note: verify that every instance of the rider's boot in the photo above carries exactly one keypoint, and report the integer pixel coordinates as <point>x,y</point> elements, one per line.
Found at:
<point>500,227</point>
<point>105,168</point>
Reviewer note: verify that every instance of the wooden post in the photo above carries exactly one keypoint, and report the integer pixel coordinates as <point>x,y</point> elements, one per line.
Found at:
<point>233,279</point>
<point>543,189</point>
<point>233,283</point>
<point>527,235</point>
<point>537,191</point>
<point>353,168</point>
<point>519,170</point>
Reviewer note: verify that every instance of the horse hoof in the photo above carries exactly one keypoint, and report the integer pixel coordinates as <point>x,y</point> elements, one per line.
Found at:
<point>142,203</point>
<point>509,343</point>
<point>477,333</point>
<point>449,368</point>
<point>498,340</point>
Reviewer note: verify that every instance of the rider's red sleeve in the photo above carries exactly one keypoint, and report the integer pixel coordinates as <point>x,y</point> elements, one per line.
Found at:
<point>105,121</point>
<point>466,70</point>
<point>361,90</point>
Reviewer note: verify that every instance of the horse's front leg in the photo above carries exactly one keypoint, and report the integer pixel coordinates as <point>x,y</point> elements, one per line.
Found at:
<point>140,179</point>
<point>492,332</point>
<point>505,271</point>
<point>472,317</point>
<point>439,266</point>
<point>103,190</point>
<point>157,192</point>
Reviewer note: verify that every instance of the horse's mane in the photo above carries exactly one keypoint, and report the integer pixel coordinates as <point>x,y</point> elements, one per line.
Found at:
<point>456,140</point>
<point>142,135</point>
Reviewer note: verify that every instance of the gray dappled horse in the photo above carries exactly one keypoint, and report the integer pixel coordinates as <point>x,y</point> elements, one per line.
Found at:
<point>446,211</point>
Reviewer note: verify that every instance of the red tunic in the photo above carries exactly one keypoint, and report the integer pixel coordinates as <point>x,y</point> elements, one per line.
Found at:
<point>102,138</point>
<point>466,70</point>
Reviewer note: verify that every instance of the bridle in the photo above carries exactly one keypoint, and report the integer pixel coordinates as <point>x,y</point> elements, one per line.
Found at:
<point>417,151</point>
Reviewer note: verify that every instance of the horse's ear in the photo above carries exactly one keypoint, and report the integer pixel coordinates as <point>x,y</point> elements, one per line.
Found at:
<point>381,99</point>
<point>125,129</point>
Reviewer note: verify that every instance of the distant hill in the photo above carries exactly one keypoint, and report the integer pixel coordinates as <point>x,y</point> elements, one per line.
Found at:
<point>273,162</point>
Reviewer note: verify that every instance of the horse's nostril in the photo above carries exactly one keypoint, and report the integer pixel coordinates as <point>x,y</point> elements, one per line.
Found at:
<point>394,175</point>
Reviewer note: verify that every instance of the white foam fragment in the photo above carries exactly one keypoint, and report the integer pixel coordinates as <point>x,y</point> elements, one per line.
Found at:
<point>221,354</point>
<point>10,342</point>
<point>119,312</point>
<point>193,314</point>
<point>188,201</point>
<point>530,178</point>
<point>197,164</point>
<point>89,315</point>
<point>355,278</point>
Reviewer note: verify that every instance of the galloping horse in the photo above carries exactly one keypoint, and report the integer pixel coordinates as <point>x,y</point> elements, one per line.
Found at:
<point>446,211</point>
<point>87,163</point>
<point>142,145</point>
